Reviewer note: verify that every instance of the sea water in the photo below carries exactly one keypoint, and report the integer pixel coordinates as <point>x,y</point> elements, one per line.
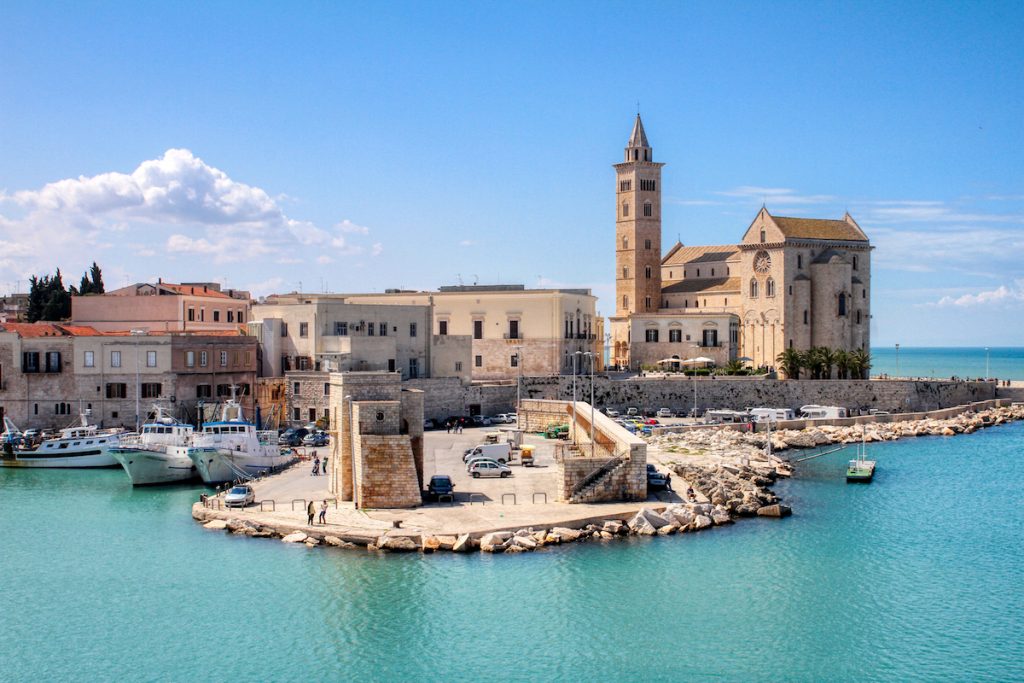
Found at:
<point>964,362</point>
<point>918,576</point>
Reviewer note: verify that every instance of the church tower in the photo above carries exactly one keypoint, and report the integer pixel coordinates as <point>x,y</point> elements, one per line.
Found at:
<point>638,228</point>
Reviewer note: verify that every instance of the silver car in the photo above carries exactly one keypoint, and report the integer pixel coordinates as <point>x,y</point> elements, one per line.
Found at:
<point>240,496</point>
<point>489,468</point>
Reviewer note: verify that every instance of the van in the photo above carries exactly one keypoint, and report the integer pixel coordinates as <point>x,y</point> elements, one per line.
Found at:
<point>770,414</point>
<point>726,416</point>
<point>501,452</point>
<point>632,411</point>
<point>815,412</point>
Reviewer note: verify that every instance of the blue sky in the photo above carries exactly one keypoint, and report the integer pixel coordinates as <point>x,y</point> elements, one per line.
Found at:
<point>354,147</point>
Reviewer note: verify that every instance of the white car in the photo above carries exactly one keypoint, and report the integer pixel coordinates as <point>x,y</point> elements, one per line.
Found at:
<point>240,496</point>
<point>489,468</point>
<point>612,414</point>
<point>512,417</point>
<point>665,412</point>
<point>479,458</point>
<point>500,418</point>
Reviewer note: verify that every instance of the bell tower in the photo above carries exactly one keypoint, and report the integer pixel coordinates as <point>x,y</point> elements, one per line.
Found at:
<point>638,228</point>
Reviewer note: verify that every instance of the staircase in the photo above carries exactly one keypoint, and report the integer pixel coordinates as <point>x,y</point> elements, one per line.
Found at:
<point>585,489</point>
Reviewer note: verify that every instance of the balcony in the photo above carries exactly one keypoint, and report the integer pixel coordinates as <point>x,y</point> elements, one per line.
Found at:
<point>513,337</point>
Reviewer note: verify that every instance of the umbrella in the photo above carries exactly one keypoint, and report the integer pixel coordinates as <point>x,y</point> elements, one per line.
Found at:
<point>699,359</point>
<point>670,360</point>
<point>745,359</point>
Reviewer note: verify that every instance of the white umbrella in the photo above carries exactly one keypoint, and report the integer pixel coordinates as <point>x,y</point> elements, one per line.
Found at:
<point>670,360</point>
<point>745,359</point>
<point>699,359</point>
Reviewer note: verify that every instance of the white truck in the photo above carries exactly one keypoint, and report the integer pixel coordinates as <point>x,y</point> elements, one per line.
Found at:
<point>499,452</point>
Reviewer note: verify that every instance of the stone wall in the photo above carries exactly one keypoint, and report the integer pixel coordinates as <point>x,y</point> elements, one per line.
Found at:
<point>447,396</point>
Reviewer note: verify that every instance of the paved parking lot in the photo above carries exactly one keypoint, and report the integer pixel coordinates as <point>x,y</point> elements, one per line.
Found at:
<point>442,454</point>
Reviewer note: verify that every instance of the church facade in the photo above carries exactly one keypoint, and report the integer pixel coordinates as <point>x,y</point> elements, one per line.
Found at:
<point>788,282</point>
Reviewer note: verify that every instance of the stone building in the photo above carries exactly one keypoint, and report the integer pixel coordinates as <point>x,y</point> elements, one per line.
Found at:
<point>163,307</point>
<point>49,373</point>
<point>788,283</point>
<point>513,330</point>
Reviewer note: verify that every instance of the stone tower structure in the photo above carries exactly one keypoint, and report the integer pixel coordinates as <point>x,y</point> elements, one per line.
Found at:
<point>638,228</point>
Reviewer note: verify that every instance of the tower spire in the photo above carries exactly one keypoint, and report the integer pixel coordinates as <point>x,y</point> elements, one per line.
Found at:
<point>638,149</point>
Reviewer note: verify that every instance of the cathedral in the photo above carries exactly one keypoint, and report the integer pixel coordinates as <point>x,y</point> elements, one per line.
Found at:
<point>788,283</point>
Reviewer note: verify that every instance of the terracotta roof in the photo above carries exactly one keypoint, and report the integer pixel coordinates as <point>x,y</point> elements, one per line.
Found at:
<point>27,330</point>
<point>192,290</point>
<point>680,255</point>
<point>819,229</point>
<point>80,330</point>
<point>704,285</point>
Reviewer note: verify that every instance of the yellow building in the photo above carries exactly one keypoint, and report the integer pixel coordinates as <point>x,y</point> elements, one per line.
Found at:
<point>788,283</point>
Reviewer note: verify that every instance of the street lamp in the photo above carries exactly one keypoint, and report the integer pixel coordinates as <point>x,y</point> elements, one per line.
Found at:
<point>897,361</point>
<point>519,377</point>
<point>592,449</point>
<point>575,361</point>
<point>137,334</point>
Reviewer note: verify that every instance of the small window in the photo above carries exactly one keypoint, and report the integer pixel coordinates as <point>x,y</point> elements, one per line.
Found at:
<point>764,236</point>
<point>303,329</point>
<point>190,359</point>
<point>514,361</point>
<point>647,244</point>
<point>625,243</point>
<point>799,261</point>
<point>231,316</point>
<point>769,287</point>
<point>223,359</point>
<point>651,335</point>
<point>478,361</point>
<point>855,262</point>
<point>203,359</point>
<point>341,329</point>
<point>675,336</point>
<point>647,272</point>
<point>412,329</point>
<point>753,288</point>
<point>191,314</point>
<point>370,328</point>
<point>858,317</point>
<point>647,303</point>
<point>625,210</point>
<point>295,388</point>
<point>842,304</point>
<point>806,317</point>
<point>151,390</point>
<point>648,209</point>
<point>216,316</point>
<point>458,366</point>
<point>327,388</point>
<point>478,329</point>
<point>90,359</point>
<point>284,329</point>
<point>383,329</point>
<point>442,328</point>
<point>625,272</point>
<point>625,301</point>
<point>150,359</point>
<point>115,359</point>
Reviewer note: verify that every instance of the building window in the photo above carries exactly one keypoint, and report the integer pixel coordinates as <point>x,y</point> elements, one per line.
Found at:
<point>478,361</point>
<point>648,209</point>
<point>513,361</point>
<point>190,359</point>
<point>53,363</point>
<point>151,390</point>
<point>769,287</point>
<point>855,262</point>
<point>763,236</point>
<point>150,359</point>
<point>858,317</point>
<point>625,301</point>
<point>341,329</point>
<point>202,315</point>
<point>753,288</point>
<point>647,244</point>
<point>625,185</point>
<point>383,329</point>
<point>791,290</point>
<point>806,317</point>
<point>647,272</point>
<point>370,329</point>
<point>231,316</point>
<point>842,304</point>
<point>223,359</point>
<point>651,335</point>
<point>204,391</point>
<point>625,210</point>
<point>296,414</point>
<point>625,272</point>
<point>117,390</point>
<point>458,366</point>
<point>625,243</point>
<point>115,359</point>
<point>710,338</point>
<point>191,315</point>
<point>698,272</point>
<point>414,368</point>
<point>442,328</point>
<point>216,316</point>
<point>284,329</point>
<point>303,329</point>
<point>203,358</point>
<point>799,261</point>
<point>478,329</point>
<point>675,336</point>
<point>513,329</point>
<point>327,388</point>
<point>90,359</point>
<point>864,293</point>
<point>412,329</point>
<point>241,316</point>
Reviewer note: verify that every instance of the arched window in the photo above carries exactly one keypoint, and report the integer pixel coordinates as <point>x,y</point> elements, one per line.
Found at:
<point>842,304</point>
<point>625,209</point>
<point>625,301</point>
<point>625,272</point>
<point>858,317</point>
<point>753,288</point>
<point>625,243</point>
<point>647,272</point>
<point>764,236</point>
<point>769,287</point>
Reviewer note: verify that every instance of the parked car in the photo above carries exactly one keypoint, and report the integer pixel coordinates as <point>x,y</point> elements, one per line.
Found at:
<point>481,421</point>
<point>500,418</point>
<point>292,436</point>
<point>512,417</point>
<point>655,479</point>
<point>651,421</point>
<point>632,411</point>
<point>665,412</point>
<point>440,485</point>
<point>240,496</point>
<point>316,439</point>
<point>430,423</point>
<point>489,468</point>
<point>612,413</point>
<point>479,458</point>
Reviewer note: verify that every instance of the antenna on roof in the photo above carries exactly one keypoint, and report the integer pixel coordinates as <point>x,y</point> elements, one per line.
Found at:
<point>638,107</point>
<point>476,279</point>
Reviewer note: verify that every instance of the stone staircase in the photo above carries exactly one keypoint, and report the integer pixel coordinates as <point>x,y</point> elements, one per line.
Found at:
<point>588,489</point>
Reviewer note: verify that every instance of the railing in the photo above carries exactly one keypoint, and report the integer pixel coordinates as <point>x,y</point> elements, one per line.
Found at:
<point>508,494</point>
<point>513,337</point>
<point>596,475</point>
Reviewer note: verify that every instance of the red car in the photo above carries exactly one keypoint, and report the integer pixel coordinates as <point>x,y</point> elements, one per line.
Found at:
<point>651,421</point>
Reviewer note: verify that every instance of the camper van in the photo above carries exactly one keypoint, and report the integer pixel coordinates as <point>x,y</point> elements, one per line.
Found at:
<point>726,416</point>
<point>770,414</point>
<point>814,412</point>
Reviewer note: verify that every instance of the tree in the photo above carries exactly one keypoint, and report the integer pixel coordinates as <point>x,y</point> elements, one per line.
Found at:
<point>842,360</point>
<point>860,363</point>
<point>734,367</point>
<point>47,298</point>
<point>92,281</point>
<point>828,358</point>
<point>790,362</point>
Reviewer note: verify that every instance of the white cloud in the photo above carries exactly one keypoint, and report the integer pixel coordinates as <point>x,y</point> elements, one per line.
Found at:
<point>466,243</point>
<point>775,195</point>
<point>1001,295</point>
<point>213,216</point>
<point>377,249</point>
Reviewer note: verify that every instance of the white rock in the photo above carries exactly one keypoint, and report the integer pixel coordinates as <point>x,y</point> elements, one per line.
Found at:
<point>216,524</point>
<point>295,537</point>
<point>702,522</point>
<point>525,542</point>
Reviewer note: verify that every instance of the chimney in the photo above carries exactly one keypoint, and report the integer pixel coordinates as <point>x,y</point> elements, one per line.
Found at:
<point>159,280</point>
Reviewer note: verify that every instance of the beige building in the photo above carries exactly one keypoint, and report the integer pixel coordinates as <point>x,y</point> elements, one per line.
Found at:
<point>513,330</point>
<point>789,283</point>
<point>163,307</point>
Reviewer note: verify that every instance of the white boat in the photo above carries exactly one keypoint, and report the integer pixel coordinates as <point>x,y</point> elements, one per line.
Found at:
<point>160,453</point>
<point>78,446</point>
<point>231,448</point>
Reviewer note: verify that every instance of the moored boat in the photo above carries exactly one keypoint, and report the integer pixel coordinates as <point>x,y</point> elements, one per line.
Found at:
<point>159,454</point>
<point>78,446</point>
<point>860,470</point>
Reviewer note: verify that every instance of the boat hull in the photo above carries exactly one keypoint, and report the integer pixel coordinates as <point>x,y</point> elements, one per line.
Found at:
<point>86,459</point>
<point>148,467</point>
<point>221,466</point>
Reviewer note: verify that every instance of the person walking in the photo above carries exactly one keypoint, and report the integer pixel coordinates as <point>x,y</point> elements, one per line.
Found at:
<point>310,512</point>
<point>323,513</point>
<point>323,465</point>
<point>316,465</point>
<point>448,425</point>
<point>668,482</point>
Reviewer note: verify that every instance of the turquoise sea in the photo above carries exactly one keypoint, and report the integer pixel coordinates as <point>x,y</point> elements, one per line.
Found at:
<point>1004,362</point>
<point>918,576</point>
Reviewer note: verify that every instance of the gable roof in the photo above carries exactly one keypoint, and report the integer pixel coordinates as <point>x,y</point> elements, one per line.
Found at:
<point>680,255</point>
<point>820,229</point>
<point>708,285</point>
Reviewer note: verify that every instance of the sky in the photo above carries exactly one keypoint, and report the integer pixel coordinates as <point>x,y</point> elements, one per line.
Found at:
<point>361,146</point>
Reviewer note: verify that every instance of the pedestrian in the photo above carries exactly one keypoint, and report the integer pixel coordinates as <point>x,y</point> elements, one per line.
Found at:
<point>689,494</point>
<point>310,512</point>
<point>323,465</point>
<point>668,481</point>
<point>323,513</point>
<point>316,465</point>
<point>448,425</point>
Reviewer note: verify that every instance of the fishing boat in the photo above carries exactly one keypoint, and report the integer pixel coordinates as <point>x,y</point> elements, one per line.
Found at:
<point>160,452</point>
<point>78,446</point>
<point>860,470</point>
<point>232,449</point>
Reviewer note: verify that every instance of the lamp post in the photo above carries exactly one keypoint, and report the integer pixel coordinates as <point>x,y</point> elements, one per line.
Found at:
<point>137,334</point>
<point>519,377</point>
<point>575,362</point>
<point>592,449</point>
<point>352,449</point>
<point>897,361</point>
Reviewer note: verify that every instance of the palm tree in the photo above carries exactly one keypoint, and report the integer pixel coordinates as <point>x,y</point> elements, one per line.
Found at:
<point>860,361</point>
<point>814,362</point>
<point>842,360</point>
<point>828,358</point>
<point>733,367</point>
<point>790,362</point>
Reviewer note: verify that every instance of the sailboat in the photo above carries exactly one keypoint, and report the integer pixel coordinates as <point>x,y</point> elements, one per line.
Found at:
<point>860,470</point>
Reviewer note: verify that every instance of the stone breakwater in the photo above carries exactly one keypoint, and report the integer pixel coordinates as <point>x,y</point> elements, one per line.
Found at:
<point>723,494</point>
<point>730,446</point>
